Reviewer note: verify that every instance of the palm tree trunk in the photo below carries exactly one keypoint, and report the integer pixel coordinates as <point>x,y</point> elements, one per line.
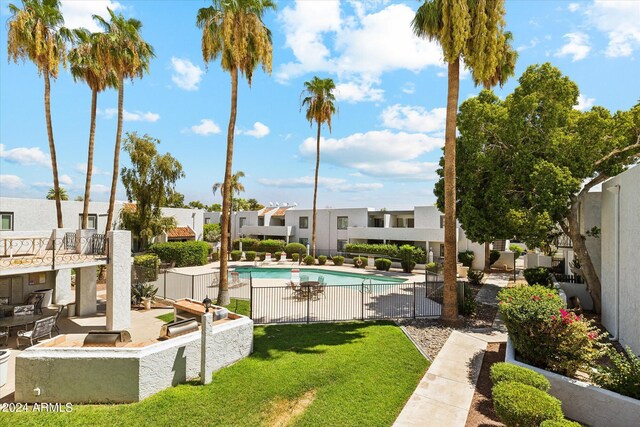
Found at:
<point>116,155</point>
<point>487,257</point>
<point>223,290</point>
<point>52,146</point>
<point>315,194</point>
<point>92,134</point>
<point>450,306</point>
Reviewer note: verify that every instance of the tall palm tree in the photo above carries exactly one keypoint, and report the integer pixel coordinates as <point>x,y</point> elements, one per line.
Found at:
<point>320,103</point>
<point>61,194</point>
<point>128,55</point>
<point>36,33</point>
<point>473,31</point>
<point>233,30</point>
<point>87,66</point>
<point>236,187</point>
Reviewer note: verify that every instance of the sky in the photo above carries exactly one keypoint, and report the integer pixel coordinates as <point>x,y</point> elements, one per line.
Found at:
<point>391,90</point>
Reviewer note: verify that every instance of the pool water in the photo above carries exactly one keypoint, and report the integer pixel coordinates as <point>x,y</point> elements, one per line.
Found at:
<point>330,277</point>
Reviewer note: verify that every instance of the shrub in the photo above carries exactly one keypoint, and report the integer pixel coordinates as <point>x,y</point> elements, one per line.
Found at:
<point>466,258</point>
<point>250,256</point>
<point>382,264</point>
<point>406,253</point>
<point>466,300</point>
<point>236,255</point>
<point>475,277</point>
<point>142,291</point>
<point>215,256</point>
<point>374,249</point>
<point>277,256</point>
<point>184,254</point>
<point>538,276</point>
<point>211,232</point>
<point>322,260</point>
<point>560,423</point>
<point>360,262</point>
<point>517,249</point>
<point>295,256</point>
<point>296,248</point>
<point>522,405</point>
<point>261,256</point>
<point>432,267</point>
<point>622,376</point>
<point>507,372</point>
<point>544,334</point>
<point>493,256</point>
<point>309,260</point>
<point>271,246</point>
<point>248,244</point>
<point>337,260</point>
<point>146,267</point>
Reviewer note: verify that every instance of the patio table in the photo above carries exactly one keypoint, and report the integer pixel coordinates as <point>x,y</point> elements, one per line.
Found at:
<point>14,321</point>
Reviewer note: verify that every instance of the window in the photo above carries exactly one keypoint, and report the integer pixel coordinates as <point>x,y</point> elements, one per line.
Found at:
<point>378,222</point>
<point>92,222</point>
<point>303,222</point>
<point>410,223</point>
<point>207,220</point>
<point>399,223</point>
<point>304,241</point>
<point>441,250</point>
<point>6,221</point>
<point>441,221</point>
<point>343,222</point>
<point>242,221</point>
<point>341,245</point>
<point>261,221</point>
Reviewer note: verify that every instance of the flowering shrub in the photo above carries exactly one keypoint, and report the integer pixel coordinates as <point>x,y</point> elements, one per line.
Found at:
<point>622,375</point>
<point>545,334</point>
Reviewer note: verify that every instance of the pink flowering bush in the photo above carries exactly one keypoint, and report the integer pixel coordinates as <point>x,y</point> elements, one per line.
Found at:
<point>544,333</point>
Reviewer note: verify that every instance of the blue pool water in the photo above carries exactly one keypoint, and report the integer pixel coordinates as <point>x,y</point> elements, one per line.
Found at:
<point>330,277</point>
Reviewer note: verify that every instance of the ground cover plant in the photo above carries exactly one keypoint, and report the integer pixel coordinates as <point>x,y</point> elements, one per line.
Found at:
<point>347,374</point>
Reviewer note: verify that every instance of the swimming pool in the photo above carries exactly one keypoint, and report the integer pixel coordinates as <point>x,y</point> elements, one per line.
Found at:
<point>330,277</point>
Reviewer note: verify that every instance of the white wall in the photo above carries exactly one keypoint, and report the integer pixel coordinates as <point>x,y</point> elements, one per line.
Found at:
<point>620,268</point>
<point>327,233</point>
<point>427,217</point>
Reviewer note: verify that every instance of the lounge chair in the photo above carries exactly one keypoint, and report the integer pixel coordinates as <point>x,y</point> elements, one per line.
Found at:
<point>41,329</point>
<point>57,317</point>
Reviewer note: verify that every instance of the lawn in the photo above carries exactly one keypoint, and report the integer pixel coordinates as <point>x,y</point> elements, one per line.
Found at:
<point>347,374</point>
<point>237,306</point>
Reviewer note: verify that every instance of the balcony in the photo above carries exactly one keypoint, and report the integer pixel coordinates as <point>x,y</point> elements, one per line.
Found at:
<point>267,230</point>
<point>399,234</point>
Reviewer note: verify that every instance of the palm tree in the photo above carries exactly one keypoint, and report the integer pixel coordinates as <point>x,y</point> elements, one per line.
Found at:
<point>319,100</point>
<point>87,66</point>
<point>36,33</point>
<point>61,194</point>
<point>128,55</point>
<point>233,30</point>
<point>473,31</point>
<point>236,187</point>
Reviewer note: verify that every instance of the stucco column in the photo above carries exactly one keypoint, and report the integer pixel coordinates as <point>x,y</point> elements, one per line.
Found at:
<point>86,293</point>
<point>206,348</point>
<point>62,289</point>
<point>119,280</point>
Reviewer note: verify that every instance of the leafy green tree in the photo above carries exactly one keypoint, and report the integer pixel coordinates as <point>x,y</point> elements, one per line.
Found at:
<point>215,207</point>
<point>87,66</point>
<point>254,205</point>
<point>36,33</point>
<point>320,102</point>
<point>62,194</point>
<point>196,204</point>
<point>79,199</point>
<point>233,30</point>
<point>128,55</point>
<point>150,182</point>
<point>212,233</point>
<point>474,32</point>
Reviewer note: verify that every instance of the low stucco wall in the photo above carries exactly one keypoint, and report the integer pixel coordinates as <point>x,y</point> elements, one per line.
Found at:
<point>585,402</point>
<point>119,375</point>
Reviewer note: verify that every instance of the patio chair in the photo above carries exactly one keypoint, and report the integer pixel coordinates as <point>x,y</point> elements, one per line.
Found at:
<point>4,337</point>
<point>24,310</point>
<point>41,329</point>
<point>35,299</point>
<point>4,300</point>
<point>57,317</point>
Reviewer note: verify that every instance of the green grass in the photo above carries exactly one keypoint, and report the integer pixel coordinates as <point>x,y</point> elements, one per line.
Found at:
<point>237,306</point>
<point>361,374</point>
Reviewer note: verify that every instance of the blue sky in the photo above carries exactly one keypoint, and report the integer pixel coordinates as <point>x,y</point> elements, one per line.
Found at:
<point>386,137</point>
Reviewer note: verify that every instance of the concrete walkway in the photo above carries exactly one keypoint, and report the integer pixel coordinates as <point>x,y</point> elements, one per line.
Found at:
<point>444,395</point>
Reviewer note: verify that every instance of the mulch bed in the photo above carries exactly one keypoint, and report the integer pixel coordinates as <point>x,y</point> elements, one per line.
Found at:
<point>481,412</point>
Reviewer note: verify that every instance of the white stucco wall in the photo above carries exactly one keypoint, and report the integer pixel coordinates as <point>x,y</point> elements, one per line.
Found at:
<point>108,375</point>
<point>620,269</point>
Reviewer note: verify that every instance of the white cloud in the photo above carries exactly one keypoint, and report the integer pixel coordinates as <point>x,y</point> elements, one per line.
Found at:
<point>533,43</point>
<point>25,156</point>
<point>65,180</point>
<point>584,103</point>
<point>414,118</point>
<point>100,189</point>
<point>185,75</point>
<point>79,13</point>
<point>206,127</point>
<point>43,184</point>
<point>409,88</point>
<point>573,7</point>
<point>260,130</point>
<point>11,182</point>
<point>620,20</point>
<point>577,47</point>
<point>358,92</point>
<point>82,168</point>
<point>127,116</point>
<point>331,184</point>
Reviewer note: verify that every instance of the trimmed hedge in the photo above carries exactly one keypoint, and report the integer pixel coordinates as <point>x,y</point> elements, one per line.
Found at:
<point>184,254</point>
<point>261,256</point>
<point>295,256</point>
<point>538,276</point>
<point>374,249</point>
<point>337,260</point>
<point>277,255</point>
<point>475,277</point>
<point>236,255</point>
<point>250,256</point>
<point>309,260</point>
<point>560,423</point>
<point>432,267</point>
<point>322,260</point>
<point>271,246</point>
<point>466,258</point>
<point>296,248</point>
<point>493,256</point>
<point>382,264</point>
<point>215,256</point>
<point>360,262</point>
<point>248,244</point>
<point>146,267</point>
<point>503,371</point>
<point>522,405</point>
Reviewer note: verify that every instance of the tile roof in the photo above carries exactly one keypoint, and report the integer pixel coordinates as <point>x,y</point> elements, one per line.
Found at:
<point>265,211</point>
<point>130,207</point>
<point>180,233</point>
<point>280,212</point>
